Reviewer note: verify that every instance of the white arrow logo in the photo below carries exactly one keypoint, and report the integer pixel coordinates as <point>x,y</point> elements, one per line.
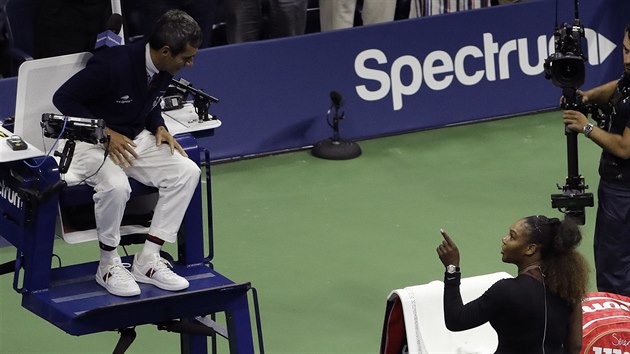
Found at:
<point>599,47</point>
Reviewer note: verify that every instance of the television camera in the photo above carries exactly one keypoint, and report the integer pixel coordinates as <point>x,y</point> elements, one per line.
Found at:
<point>566,69</point>
<point>89,130</point>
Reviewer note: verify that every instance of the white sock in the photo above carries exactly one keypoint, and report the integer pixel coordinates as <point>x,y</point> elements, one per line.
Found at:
<point>107,257</point>
<point>149,249</point>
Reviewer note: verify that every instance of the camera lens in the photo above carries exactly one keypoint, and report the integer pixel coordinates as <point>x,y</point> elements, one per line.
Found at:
<point>568,71</point>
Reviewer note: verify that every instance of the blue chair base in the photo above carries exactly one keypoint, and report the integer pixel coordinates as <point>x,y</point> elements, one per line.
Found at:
<point>76,304</point>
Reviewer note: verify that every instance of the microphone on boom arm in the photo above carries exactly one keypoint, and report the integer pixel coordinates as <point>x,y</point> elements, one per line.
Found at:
<point>201,100</point>
<point>110,37</point>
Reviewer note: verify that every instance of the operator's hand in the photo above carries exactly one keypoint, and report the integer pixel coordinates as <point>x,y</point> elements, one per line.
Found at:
<point>574,120</point>
<point>163,136</point>
<point>448,251</point>
<point>121,149</point>
<point>585,97</point>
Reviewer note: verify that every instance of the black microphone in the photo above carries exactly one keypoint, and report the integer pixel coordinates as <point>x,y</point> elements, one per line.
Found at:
<point>109,37</point>
<point>184,87</point>
<point>335,148</point>
<point>114,23</point>
<point>336,99</point>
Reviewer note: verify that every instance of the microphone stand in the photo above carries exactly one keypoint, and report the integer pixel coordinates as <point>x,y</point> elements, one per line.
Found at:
<point>336,148</point>
<point>336,118</point>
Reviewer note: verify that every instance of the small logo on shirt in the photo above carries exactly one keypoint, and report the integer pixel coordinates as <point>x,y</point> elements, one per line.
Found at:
<point>124,99</point>
<point>157,100</point>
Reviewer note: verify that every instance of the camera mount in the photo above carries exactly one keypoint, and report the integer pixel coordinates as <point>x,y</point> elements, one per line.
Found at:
<point>201,100</point>
<point>56,126</point>
<point>566,69</point>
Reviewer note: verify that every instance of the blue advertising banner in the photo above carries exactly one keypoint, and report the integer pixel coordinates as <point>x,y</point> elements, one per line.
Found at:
<point>400,76</point>
<point>396,77</point>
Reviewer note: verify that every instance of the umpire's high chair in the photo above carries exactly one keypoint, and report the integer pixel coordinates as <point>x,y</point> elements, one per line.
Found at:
<point>68,296</point>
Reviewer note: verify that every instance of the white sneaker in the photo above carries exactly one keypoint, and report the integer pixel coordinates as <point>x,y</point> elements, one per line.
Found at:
<point>157,271</point>
<point>116,279</point>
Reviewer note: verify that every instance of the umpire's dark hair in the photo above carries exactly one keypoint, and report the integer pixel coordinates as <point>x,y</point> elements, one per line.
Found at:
<point>175,29</point>
<point>627,30</point>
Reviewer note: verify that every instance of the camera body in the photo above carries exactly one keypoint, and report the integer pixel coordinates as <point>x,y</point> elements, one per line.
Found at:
<point>89,130</point>
<point>565,67</point>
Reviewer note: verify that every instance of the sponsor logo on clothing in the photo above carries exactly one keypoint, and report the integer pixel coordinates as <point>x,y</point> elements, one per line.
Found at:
<point>157,100</point>
<point>469,65</point>
<point>124,99</point>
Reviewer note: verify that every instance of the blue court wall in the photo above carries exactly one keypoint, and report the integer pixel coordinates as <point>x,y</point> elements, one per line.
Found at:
<point>394,77</point>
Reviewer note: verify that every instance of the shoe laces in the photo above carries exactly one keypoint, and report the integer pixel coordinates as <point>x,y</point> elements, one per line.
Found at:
<point>119,272</point>
<point>163,267</point>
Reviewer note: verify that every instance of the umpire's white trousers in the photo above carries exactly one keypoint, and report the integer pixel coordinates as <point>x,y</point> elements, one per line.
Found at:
<point>175,176</point>
<point>338,14</point>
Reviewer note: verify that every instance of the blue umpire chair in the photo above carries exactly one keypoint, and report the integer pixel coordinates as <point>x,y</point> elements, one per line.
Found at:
<point>32,195</point>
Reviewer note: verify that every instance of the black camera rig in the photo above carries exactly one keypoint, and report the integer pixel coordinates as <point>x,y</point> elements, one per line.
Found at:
<point>89,130</point>
<point>566,69</point>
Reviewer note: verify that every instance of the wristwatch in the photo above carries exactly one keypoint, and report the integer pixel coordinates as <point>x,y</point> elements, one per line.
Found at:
<point>451,269</point>
<point>587,129</point>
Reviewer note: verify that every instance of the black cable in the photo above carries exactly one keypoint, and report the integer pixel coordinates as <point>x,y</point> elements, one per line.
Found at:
<point>99,167</point>
<point>556,14</point>
<point>51,148</point>
<point>328,117</point>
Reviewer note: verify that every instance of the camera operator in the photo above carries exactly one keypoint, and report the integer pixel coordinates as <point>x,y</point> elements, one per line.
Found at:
<point>612,229</point>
